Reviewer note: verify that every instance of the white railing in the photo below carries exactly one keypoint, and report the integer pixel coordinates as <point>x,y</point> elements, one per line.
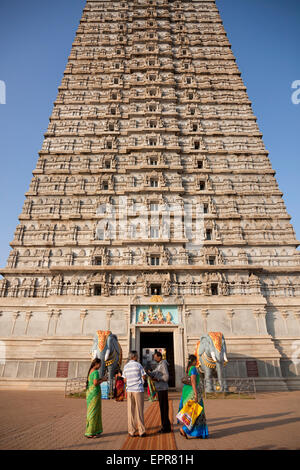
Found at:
<point>76,385</point>
<point>238,386</point>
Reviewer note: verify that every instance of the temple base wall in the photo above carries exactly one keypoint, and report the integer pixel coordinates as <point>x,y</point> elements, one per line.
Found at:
<point>45,341</point>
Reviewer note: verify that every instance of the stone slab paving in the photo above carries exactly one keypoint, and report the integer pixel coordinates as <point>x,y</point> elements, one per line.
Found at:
<point>271,421</point>
<point>154,440</point>
<point>47,420</point>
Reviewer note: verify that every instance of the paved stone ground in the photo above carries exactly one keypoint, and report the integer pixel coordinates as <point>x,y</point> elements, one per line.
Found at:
<point>46,420</point>
<point>269,422</point>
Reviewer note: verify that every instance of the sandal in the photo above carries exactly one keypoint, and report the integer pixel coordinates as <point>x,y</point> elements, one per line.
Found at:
<point>183,433</point>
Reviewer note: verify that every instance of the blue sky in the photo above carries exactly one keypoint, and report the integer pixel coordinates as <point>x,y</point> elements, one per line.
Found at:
<point>35,41</point>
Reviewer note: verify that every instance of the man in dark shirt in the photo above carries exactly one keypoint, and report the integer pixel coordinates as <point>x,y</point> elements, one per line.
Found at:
<point>160,376</point>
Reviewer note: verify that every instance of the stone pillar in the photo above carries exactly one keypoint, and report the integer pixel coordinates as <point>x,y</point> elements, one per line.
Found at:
<point>57,314</point>
<point>185,313</point>
<point>260,313</point>
<point>138,341</point>
<point>230,314</point>
<point>132,342</point>
<point>15,317</point>
<point>50,315</point>
<point>285,315</point>
<point>297,316</point>
<point>27,319</point>
<point>204,313</point>
<point>127,319</point>
<point>83,314</point>
<point>179,355</point>
<point>109,314</point>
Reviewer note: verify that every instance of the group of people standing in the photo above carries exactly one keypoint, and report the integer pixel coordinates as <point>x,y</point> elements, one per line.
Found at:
<point>134,375</point>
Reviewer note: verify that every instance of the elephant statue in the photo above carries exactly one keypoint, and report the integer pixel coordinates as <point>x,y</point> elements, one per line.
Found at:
<point>107,348</point>
<point>211,354</point>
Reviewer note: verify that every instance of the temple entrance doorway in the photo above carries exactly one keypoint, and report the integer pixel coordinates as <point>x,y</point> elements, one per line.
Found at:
<point>163,342</point>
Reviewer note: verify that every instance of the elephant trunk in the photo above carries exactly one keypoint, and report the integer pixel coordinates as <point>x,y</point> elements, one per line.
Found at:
<point>218,356</point>
<point>102,368</point>
<point>107,354</point>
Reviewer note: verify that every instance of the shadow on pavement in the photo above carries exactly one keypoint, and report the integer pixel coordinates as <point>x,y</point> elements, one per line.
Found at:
<point>238,419</point>
<point>250,427</point>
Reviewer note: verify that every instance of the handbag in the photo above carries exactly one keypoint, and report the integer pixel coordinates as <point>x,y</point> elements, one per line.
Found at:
<point>186,380</point>
<point>189,414</point>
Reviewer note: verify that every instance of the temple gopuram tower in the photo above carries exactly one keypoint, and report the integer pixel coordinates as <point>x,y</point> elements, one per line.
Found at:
<point>151,118</point>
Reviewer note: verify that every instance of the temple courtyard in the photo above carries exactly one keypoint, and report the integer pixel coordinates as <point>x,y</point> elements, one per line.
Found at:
<point>32,420</point>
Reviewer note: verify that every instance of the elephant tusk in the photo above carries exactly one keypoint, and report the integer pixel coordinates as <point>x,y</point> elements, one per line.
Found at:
<point>225,357</point>
<point>213,356</point>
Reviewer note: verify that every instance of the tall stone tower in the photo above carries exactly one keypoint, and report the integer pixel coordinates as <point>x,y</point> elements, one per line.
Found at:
<point>151,136</point>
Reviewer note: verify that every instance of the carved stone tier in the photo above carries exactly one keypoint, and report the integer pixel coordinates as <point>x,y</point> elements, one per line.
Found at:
<point>151,113</point>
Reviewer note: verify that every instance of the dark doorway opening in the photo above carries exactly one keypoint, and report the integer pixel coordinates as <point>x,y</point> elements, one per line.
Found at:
<point>155,289</point>
<point>156,340</point>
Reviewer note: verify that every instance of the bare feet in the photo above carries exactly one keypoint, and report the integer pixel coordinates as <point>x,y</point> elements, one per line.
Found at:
<point>183,433</point>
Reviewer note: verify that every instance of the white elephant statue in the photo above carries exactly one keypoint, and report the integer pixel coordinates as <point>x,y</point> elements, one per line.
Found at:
<point>107,348</point>
<point>211,354</point>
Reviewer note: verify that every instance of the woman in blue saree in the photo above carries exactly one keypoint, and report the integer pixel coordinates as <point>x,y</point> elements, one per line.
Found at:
<point>193,392</point>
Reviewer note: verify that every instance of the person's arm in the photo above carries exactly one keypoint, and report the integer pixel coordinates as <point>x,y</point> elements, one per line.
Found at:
<point>164,373</point>
<point>99,381</point>
<point>96,379</point>
<point>194,385</point>
<point>124,376</point>
<point>143,373</point>
<point>194,373</point>
<point>154,374</point>
<point>161,374</point>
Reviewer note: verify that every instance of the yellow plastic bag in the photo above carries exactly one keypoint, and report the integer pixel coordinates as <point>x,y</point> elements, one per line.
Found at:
<point>189,413</point>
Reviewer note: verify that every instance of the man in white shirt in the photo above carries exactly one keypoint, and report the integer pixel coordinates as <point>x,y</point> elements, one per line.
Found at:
<point>134,376</point>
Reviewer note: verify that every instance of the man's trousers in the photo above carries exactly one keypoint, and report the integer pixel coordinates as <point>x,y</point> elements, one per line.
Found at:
<point>135,407</point>
<point>163,400</point>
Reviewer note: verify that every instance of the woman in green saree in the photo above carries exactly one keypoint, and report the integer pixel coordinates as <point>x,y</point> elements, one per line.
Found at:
<point>93,399</point>
<point>193,392</point>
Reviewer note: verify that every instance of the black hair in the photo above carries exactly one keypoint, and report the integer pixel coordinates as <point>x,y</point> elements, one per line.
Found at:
<point>158,353</point>
<point>93,363</point>
<point>192,358</point>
